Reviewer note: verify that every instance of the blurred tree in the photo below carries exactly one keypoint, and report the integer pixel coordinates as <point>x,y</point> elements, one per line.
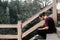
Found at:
<point>4,17</point>
<point>13,12</point>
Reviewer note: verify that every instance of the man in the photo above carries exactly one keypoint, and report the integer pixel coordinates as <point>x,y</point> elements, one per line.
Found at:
<point>48,27</point>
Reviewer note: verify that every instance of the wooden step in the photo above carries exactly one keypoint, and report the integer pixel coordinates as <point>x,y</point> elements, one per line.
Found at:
<point>52,36</point>
<point>58,31</point>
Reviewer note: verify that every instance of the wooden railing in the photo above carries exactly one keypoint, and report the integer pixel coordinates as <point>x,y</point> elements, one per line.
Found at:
<point>32,29</point>
<point>18,26</point>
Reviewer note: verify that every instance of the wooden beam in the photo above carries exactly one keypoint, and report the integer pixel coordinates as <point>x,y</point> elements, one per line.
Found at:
<point>58,0</point>
<point>19,30</point>
<point>54,11</point>
<point>8,25</point>
<point>8,36</point>
<point>58,11</point>
<point>32,29</point>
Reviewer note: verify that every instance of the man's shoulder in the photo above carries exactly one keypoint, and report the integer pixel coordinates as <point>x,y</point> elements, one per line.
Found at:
<point>48,18</point>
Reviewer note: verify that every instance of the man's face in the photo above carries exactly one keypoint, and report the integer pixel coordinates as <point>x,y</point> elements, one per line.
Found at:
<point>42,18</point>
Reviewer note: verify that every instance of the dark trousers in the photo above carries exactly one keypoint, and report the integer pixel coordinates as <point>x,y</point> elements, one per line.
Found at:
<point>42,33</point>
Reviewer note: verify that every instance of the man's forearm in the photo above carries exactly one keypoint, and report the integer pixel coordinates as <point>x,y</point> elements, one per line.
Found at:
<point>46,28</point>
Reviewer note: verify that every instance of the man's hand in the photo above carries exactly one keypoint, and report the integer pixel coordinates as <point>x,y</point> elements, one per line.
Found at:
<point>46,28</point>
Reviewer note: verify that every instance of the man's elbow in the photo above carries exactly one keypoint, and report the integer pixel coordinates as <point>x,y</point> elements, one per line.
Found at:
<point>46,28</point>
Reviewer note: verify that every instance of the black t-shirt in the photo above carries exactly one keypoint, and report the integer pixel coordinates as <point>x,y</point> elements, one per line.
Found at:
<point>50,23</point>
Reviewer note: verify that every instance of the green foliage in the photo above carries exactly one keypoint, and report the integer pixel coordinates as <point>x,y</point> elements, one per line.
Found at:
<point>18,10</point>
<point>28,10</point>
<point>4,17</point>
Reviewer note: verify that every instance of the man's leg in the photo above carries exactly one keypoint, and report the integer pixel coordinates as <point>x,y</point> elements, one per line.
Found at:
<point>42,33</point>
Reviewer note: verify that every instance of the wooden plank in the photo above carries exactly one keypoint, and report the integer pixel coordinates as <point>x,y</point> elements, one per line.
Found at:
<point>52,36</point>
<point>19,30</point>
<point>8,25</point>
<point>58,31</point>
<point>58,11</point>
<point>54,11</point>
<point>36,15</point>
<point>58,0</point>
<point>32,29</point>
<point>8,36</point>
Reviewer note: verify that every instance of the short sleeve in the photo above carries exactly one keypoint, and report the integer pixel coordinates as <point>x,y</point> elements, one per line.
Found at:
<point>46,22</point>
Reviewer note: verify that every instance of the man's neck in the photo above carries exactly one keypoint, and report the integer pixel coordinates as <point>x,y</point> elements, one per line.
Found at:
<point>45,17</point>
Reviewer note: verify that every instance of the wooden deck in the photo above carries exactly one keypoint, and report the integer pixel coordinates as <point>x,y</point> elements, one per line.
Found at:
<point>52,37</point>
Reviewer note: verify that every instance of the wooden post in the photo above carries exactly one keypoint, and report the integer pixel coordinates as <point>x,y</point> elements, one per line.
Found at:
<point>58,0</point>
<point>54,11</point>
<point>19,30</point>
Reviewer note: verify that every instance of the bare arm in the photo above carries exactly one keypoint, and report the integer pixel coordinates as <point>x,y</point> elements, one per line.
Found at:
<point>45,28</point>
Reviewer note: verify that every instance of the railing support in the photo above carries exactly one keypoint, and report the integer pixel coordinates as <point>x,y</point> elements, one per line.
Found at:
<point>54,11</point>
<point>19,30</point>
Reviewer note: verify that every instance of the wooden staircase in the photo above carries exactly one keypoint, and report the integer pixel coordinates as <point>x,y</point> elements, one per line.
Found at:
<point>33,28</point>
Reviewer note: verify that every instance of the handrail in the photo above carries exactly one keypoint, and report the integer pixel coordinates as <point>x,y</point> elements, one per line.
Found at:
<point>8,26</point>
<point>36,15</point>
<point>8,36</point>
<point>33,28</point>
